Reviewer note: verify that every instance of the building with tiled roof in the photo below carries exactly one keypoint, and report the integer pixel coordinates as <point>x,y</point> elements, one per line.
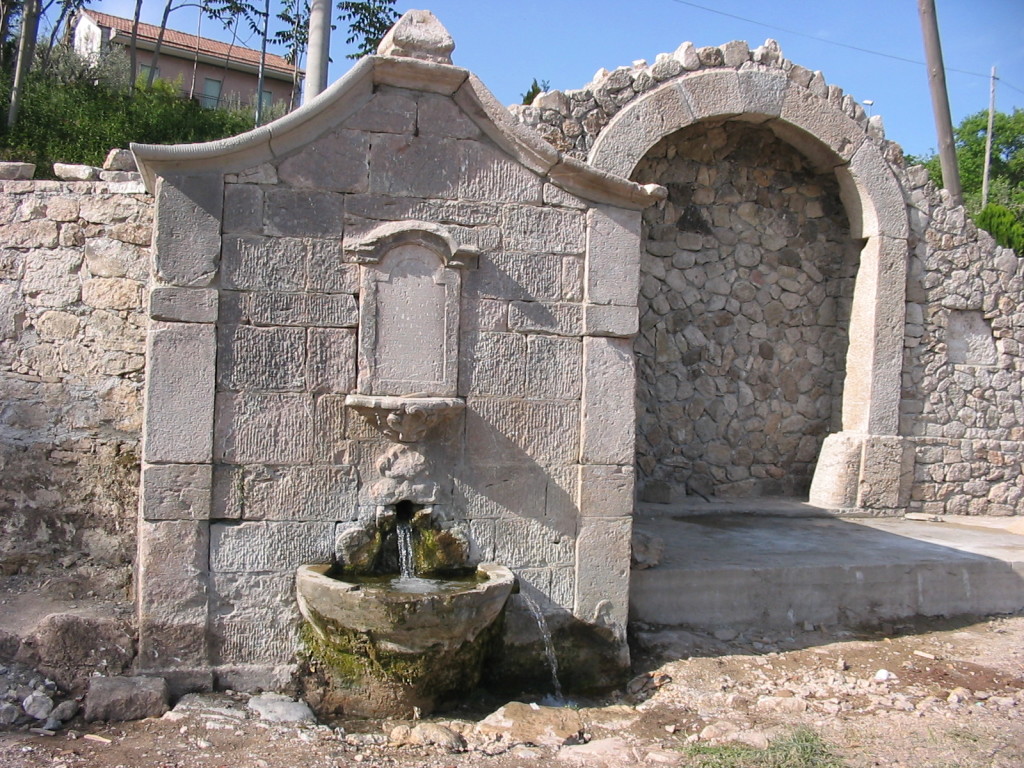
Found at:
<point>211,71</point>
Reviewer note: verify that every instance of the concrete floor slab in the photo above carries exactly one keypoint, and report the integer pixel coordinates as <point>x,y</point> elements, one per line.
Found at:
<point>729,567</point>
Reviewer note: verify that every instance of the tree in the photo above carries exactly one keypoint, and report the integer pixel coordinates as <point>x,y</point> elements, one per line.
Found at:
<point>219,10</point>
<point>294,36</point>
<point>534,91</point>
<point>9,12</point>
<point>26,51</point>
<point>368,22</point>
<point>1006,172</point>
<point>1007,164</point>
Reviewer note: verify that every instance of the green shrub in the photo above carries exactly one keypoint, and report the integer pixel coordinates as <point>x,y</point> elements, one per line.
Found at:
<point>1003,225</point>
<point>76,114</point>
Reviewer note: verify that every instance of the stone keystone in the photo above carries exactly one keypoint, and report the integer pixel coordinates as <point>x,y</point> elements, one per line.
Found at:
<point>418,35</point>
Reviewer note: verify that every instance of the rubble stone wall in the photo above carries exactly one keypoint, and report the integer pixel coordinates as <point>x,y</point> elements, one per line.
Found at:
<point>747,279</point>
<point>961,404</point>
<point>959,408</point>
<point>73,270</point>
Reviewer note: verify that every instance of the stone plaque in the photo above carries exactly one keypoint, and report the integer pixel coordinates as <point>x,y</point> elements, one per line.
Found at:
<point>409,324</point>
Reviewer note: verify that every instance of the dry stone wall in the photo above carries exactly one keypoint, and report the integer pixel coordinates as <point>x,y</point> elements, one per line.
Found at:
<point>73,270</point>
<point>963,362</point>
<point>747,279</point>
<point>959,410</point>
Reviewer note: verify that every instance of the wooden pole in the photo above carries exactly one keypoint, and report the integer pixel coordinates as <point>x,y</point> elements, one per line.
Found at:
<point>988,138</point>
<point>940,99</point>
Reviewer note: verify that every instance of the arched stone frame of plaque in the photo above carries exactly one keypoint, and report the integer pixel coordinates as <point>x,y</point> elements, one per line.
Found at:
<point>864,465</point>
<point>409,305</point>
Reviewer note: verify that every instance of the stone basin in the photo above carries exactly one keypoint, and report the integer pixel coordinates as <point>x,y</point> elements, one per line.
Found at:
<point>377,651</point>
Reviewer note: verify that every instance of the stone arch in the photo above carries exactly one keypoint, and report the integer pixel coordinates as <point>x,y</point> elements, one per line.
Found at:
<point>860,466</point>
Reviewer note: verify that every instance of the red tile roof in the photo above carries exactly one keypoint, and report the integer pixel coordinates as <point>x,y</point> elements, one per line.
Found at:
<point>183,41</point>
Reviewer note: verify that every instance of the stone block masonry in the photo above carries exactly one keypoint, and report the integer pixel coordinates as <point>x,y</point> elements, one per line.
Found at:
<point>322,256</point>
<point>73,271</point>
<point>410,247</point>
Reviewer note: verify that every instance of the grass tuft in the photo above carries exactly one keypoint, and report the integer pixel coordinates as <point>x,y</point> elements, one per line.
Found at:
<point>802,748</point>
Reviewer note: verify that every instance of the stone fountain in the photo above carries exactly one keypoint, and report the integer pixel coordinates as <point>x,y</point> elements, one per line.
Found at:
<point>391,310</point>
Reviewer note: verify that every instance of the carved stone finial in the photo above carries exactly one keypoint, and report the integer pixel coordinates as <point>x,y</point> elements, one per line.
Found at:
<point>418,35</point>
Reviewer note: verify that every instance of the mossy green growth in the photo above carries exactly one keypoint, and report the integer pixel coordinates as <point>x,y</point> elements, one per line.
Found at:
<point>436,551</point>
<point>344,666</point>
<point>350,660</point>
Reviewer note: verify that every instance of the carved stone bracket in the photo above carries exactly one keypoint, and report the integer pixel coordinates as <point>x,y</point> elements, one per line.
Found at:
<point>404,419</point>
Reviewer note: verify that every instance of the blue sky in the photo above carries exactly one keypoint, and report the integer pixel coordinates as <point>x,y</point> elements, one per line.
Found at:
<point>507,44</point>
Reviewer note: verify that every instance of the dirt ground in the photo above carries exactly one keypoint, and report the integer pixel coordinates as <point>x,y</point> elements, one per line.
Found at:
<point>935,694</point>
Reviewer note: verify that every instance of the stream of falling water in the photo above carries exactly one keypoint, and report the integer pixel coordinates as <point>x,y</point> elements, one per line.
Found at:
<point>549,647</point>
<point>406,563</point>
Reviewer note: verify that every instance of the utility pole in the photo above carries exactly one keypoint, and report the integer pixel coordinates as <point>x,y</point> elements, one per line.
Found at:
<point>940,99</point>
<point>988,138</point>
<point>319,49</point>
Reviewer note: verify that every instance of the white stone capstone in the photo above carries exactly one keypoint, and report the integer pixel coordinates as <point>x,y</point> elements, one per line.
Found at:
<point>418,35</point>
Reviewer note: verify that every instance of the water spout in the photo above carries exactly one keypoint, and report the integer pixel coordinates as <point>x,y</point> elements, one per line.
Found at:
<point>549,646</point>
<point>406,561</point>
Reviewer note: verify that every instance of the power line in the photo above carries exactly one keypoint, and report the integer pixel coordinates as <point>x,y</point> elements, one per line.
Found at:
<point>836,43</point>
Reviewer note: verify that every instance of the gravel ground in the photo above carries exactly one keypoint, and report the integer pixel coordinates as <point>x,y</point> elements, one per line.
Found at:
<point>936,694</point>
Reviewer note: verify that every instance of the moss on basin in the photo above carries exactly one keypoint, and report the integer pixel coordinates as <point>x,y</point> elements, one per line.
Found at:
<point>374,652</point>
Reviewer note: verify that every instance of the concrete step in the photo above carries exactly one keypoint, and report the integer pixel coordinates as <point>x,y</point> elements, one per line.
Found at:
<point>799,565</point>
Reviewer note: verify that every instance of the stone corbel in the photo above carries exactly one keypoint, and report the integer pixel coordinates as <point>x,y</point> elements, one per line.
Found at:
<point>404,419</point>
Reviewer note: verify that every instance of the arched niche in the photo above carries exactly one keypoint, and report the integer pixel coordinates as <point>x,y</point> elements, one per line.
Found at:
<point>409,314</point>
<point>861,465</point>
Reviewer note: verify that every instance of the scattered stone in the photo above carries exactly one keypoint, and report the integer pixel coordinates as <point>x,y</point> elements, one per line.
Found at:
<point>400,735</point>
<point>71,172</point>
<point>9,713</point>
<point>276,708</point>
<point>125,698</point>
<point>120,160</point>
<point>611,752</point>
<point>662,757</point>
<point>526,753</point>
<point>519,723</point>
<point>434,734</point>
<point>726,635</point>
<point>16,171</point>
<point>958,695</point>
<point>718,732</point>
<point>783,704</point>
<point>922,517</point>
<point>37,705</point>
<point>646,549</point>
